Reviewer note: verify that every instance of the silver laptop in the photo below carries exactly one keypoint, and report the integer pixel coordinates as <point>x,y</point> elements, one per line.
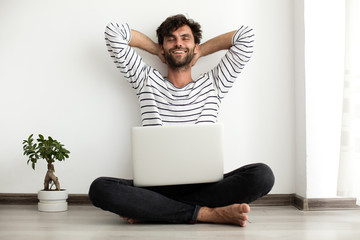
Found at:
<point>180,154</point>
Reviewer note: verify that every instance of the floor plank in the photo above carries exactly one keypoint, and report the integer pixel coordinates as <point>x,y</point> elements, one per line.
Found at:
<point>87,222</point>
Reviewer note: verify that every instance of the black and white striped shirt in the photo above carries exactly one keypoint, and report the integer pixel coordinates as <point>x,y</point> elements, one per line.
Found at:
<point>162,103</point>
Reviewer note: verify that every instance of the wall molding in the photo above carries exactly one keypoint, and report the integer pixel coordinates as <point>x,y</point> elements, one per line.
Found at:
<point>305,204</point>
<point>31,198</point>
<point>317,204</point>
<point>275,200</point>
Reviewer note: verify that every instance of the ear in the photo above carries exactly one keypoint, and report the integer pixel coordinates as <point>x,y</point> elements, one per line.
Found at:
<point>196,49</point>
<point>162,54</point>
<point>161,49</point>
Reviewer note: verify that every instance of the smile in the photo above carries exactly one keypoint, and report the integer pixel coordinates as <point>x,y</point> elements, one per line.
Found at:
<point>178,51</point>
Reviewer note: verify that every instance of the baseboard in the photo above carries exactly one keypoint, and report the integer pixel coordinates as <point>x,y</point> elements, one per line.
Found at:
<point>31,198</point>
<point>83,199</point>
<point>306,204</point>
<point>275,200</point>
<point>18,198</point>
<point>318,204</point>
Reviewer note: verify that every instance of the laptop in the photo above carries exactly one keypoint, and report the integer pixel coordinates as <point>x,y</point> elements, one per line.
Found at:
<point>177,154</point>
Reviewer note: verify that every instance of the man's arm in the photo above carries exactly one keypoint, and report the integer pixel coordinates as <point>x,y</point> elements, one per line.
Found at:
<point>140,40</point>
<point>221,42</point>
<point>235,59</point>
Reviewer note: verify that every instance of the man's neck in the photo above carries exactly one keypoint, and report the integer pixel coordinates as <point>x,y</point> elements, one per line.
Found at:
<point>179,77</point>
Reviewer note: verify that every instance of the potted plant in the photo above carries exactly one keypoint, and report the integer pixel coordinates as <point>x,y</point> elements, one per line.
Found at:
<point>52,198</point>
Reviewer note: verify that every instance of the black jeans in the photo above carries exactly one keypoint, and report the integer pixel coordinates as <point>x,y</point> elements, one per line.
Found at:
<point>180,203</point>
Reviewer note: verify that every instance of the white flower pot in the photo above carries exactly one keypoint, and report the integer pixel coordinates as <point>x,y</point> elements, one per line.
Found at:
<point>52,201</point>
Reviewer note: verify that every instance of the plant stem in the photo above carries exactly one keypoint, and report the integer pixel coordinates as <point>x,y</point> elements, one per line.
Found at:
<point>50,177</point>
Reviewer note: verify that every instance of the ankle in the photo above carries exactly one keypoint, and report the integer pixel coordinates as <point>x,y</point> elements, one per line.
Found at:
<point>204,214</point>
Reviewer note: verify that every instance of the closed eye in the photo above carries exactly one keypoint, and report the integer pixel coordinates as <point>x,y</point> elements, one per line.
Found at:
<point>186,37</point>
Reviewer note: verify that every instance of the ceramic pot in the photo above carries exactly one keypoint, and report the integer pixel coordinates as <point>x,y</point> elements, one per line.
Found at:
<point>52,201</point>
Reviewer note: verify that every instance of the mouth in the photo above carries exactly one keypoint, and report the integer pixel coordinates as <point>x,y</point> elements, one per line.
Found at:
<point>178,51</point>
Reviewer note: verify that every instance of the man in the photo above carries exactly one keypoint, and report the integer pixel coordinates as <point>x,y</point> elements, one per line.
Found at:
<point>176,99</point>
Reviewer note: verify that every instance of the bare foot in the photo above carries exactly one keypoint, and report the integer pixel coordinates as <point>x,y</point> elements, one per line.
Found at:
<point>232,214</point>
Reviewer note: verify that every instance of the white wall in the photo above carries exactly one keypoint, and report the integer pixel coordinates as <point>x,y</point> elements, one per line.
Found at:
<point>300,96</point>
<point>56,78</point>
<point>324,78</point>
<point>319,73</point>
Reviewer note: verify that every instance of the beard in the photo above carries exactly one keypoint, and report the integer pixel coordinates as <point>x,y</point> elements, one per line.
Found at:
<point>177,63</point>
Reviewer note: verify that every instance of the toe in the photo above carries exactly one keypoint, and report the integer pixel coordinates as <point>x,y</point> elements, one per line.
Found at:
<point>245,208</point>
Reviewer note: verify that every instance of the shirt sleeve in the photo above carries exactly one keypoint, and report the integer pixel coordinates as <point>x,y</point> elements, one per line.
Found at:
<point>130,64</point>
<point>235,59</point>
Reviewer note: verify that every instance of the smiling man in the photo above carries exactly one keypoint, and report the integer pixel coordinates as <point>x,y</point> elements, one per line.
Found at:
<point>179,48</point>
<point>179,99</point>
<point>179,42</point>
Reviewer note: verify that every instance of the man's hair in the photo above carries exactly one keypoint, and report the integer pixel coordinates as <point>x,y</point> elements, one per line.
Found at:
<point>172,23</point>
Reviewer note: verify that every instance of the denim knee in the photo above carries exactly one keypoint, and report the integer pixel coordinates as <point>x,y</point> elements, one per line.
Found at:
<point>95,190</point>
<point>266,176</point>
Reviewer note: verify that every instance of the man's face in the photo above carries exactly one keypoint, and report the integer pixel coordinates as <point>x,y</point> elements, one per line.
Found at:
<point>179,48</point>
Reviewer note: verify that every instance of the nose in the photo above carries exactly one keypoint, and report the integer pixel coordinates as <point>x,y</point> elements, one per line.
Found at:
<point>178,43</point>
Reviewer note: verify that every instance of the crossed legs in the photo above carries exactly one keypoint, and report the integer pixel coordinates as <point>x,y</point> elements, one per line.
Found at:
<point>221,202</point>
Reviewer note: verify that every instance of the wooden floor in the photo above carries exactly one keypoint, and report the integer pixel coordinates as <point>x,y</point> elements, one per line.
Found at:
<point>87,222</point>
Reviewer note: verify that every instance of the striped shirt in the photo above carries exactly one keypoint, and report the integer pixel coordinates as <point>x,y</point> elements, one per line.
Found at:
<point>162,103</point>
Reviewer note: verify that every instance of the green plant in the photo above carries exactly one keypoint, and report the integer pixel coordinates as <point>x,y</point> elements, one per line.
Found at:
<point>48,149</point>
